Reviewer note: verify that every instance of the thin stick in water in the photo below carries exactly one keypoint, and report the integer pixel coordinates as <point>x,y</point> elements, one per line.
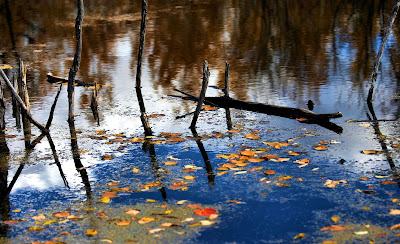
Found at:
<point>206,75</point>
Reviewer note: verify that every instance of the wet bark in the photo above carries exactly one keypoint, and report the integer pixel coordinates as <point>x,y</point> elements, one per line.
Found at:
<point>77,59</point>
<point>143,116</point>
<point>23,93</point>
<point>206,75</point>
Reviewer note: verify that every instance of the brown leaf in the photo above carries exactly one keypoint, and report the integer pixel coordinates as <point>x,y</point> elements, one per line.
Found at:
<point>194,206</point>
<point>388,182</point>
<point>269,172</point>
<point>61,214</point>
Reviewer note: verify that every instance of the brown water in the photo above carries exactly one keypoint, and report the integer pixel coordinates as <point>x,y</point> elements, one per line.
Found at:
<point>280,52</point>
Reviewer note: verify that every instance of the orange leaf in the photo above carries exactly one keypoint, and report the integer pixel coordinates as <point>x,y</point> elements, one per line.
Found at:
<point>170,163</point>
<point>320,147</point>
<point>255,160</point>
<point>61,214</point>
<point>194,206</point>
<point>252,137</point>
<point>205,212</point>
<point>269,172</point>
<point>123,223</point>
<point>247,153</point>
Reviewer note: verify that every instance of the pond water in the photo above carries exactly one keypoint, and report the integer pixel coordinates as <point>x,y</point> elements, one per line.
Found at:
<point>270,179</point>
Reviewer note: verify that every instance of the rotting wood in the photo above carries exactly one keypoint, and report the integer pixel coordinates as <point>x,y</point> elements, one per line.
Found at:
<point>55,79</point>
<point>16,108</point>
<point>206,75</point>
<point>377,63</point>
<point>143,116</point>
<point>2,111</point>
<point>77,59</point>
<point>21,103</point>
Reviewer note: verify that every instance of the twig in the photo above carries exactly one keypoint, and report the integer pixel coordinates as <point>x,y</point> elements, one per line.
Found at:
<point>143,116</point>
<point>377,63</point>
<point>21,103</point>
<point>77,59</point>
<point>206,75</point>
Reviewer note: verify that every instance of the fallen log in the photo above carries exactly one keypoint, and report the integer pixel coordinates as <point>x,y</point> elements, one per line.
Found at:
<point>300,114</point>
<point>55,79</point>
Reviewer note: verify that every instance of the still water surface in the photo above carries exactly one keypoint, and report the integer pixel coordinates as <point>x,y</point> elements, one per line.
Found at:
<point>280,52</point>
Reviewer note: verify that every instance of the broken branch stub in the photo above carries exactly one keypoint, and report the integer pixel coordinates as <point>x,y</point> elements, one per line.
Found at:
<point>206,75</point>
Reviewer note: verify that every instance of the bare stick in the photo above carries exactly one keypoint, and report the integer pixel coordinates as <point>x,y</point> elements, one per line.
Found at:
<point>21,103</point>
<point>226,89</point>
<point>206,75</point>
<point>77,59</point>
<point>2,110</point>
<point>143,117</point>
<point>16,109</point>
<point>23,93</point>
<point>377,63</point>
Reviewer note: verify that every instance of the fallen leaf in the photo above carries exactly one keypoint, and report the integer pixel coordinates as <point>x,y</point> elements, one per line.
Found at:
<point>359,233</point>
<point>151,200</point>
<point>287,177</point>
<point>280,159</point>
<point>209,108</point>
<point>189,177</point>
<point>205,212</point>
<point>334,228</point>
<point>394,211</point>
<point>170,163</point>
<point>247,153</point>
<point>152,231</point>
<point>132,211</point>
<point>10,222</point>
<point>252,137</point>
<point>104,200</point>
<point>255,160</point>
<point>269,172</point>
<point>146,220</point>
<point>194,206</point>
<point>39,217</point>
<point>397,226</point>
<point>181,202</point>
<point>91,232</point>
<point>206,222</point>
<point>109,194</point>
<point>335,218</point>
<point>107,157</point>
<point>101,215</point>
<point>49,222</point>
<point>364,124</point>
<point>6,66</point>
<point>36,228</point>
<point>300,236</point>
<point>123,223</point>
<point>388,182</point>
<point>282,185</point>
<point>320,148</point>
<point>61,214</point>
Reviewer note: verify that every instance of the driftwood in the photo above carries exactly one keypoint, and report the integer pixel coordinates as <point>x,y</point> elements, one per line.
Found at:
<point>55,79</point>
<point>302,115</point>
<point>206,75</point>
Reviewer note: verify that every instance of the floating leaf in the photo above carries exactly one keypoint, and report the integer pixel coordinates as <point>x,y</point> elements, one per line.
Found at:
<point>151,200</point>
<point>365,124</point>
<point>320,147</point>
<point>359,233</point>
<point>282,185</point>
<point>233,131</point>
<point>255,160</point>
<point>206,222</point>
<point>109,194</point>
<point>269,172</point>
<point>194,206</point>
<point>152,231</point>
<point>335,218</point>
<point>388,182</point>
<point>221,173</point>
<point>181,202</point>
<point>252,137</point>
<point>397,226</point>
<point>105,200</point>
<point>39,217</point>
<point>6,66</point>
<point>170,163</point>
<point>287,177</point>
<point>132,211</point>
<point>145,220</point>
<point>334,228</point>
<point>190,177</point>
<point>36,228</point>
<point>91,232</point>
<point>107,157</point>
<point>280,159</point>
<point>394,211</point>
<point>10,222</point>
<point>247,153</point>
<point>209,108</point>
<point>61,214</point>
<point>123,223</point>
<point>300,236</point>
<point>205,212</point>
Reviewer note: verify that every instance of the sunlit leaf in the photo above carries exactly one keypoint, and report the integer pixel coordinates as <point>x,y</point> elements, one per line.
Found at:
<point>293,139</point>
<point>6,66</point>
<point>39,217</point>
<point>388,182</point>
<point>123,223</point>
<point>247,153</point>
<point>10,222</point>
<point>371,152</point>
<point>397,226</point>
<point>109,194</point>
<point>104,200</point>
<point>190,177</point>
<point>222,173</point>
<point>209,108</point>
<point>269,157</point>
<point>269,172</point>
<point>151,200</point>
<point>132,211</point>
<point>107,157</point>
<point>394,211</point>
<point>320,147</point>
<point>36,228</point>
<point>206,222</point>
<point>233,131</point>
<point>181,202</point>
<point>335,218</point>
<point>100,132</point>
<point>300,236</point>
<point>381,176</point>
<point>152,231</point>
<point>256,169</point>
<point>155,115</point>
<point>170,163</point>
<point>145,220</point>
<point>359,233</point>
<point>334,228</point>
<point>255,160</point>
<point>205,212</point>
<point>280,159</point>
<point>252,137</point>
<point>364,124</point>
<point>287,177</point>
<point>61,214</point>
<point>189,219</point>
<point>17,210</point>
<point>91,232</point>
<point>282,184</point>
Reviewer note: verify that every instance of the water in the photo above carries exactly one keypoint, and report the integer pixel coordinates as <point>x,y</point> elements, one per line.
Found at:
<point>280,52</point>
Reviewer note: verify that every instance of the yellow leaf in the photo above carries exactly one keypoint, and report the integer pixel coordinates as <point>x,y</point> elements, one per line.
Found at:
<point>36,228</point>
<point>135,170</point>
<point>190,177</point>
<point>123,223</point>
<point>300,236</point>
<point>209,108</point>
<point>107,157</point>
<point>168,211</point>
<point>222,173</point>
<point>156,230</point>
<point>335,218</point>
<point>39,217</point>
<point>146,220</point>
<point>170,163</point>
<point>61,214</point>
<point>394,211</point>
<point>150,200</point>
<point>321,148</point>
<point>48,222</point>
<point>105,200</point>
<point>17,210</point>
<point>287,177</point>
<point>91,232</point>
<point>181,202</point>
<point>6,67</point>
<point>364,124</point>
